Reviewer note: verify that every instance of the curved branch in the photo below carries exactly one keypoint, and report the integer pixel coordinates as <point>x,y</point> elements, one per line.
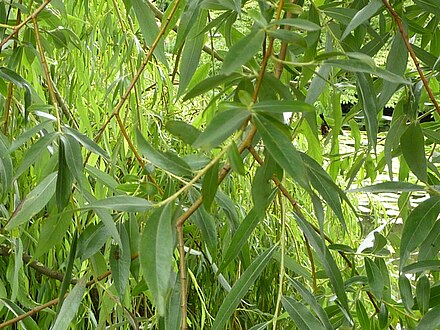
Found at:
<point>412,54</point>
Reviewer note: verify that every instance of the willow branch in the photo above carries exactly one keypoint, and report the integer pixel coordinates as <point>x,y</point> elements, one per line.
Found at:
<point>412,54</point>
<point>20,26</point>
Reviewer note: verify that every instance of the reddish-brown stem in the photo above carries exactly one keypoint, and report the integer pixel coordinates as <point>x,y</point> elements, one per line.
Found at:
<point>20,26</point>
<point>412,54</point>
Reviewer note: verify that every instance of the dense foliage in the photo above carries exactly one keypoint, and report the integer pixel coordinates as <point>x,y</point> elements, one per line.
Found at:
<point>219,164</point>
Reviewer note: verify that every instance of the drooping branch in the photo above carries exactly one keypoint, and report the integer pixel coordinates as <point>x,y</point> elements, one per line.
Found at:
<point>412,54</point>
<point>20,26</point>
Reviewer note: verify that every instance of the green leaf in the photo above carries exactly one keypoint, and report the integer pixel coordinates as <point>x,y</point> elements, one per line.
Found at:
<point>370,109</point>
<point>210,185</point>
<point>431,245</point>
<point>13,77</point>
<point>362,15</point>
<point>421,266</point>
<point>86,142</point>
<point>70,306</point>
<point>311,300</point>
<point>6,169</point>
<point>397,61</point>
<point>242,51</point>
<point>362,66</point>
<point>64,180</point>
<point>423,289</point>
<point>429,5</point>
<point>52,231</point>
<point>290,37</point>
<point>27,323</point>
<point>186,132</point>
<point>120,260</point>
<point>92,239</point>
<point>323,183</point>
<point>122,203</point>
<point>206,223</point>
<point>413,150</point>
<point>326,259</point>
<point>362,316</point>
<point>209,84</point>
<point>406,292</point>
<point>28,134</point>
<point>240,288</point>
<point>282,150</point>
<point>430,320</point>
<point>299,23</point>
<point>240,237</point>
<point>33,202</point>
<point>156,255</point>
<point>35,152</point>
<point>101,208</point>
<point>302,317</point>
<point>389,186</point>
<point>149,28</point>
<point>292,265</point>
<point>281,106</point>
<point>375,279</point>
<point>235,159</point>
<point>417,226</point>
<point>220,128</point>
<point>191,52</point>
<point>72,152</point>
<point>168,162</point>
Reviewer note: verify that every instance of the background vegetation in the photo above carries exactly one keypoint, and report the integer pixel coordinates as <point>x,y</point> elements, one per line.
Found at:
<point>219,164</point>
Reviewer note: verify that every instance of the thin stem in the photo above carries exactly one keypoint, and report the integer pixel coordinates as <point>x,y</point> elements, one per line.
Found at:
<point>46,72</point>
<point>140,70</point>
<point>20,26</point>
<point>411,53</point>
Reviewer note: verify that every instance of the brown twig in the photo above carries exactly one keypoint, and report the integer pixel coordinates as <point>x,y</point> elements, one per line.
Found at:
<point>411,53</point>
<point>20,26</point>
<point>46,71</point>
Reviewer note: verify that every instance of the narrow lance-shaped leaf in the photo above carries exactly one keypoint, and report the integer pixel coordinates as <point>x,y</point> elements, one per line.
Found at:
<point>326,259</point>
<point>302,317</point>
<point>73,156</point>
<point>430,320</point>
<point>311,300</point>
<point>33,202</point>
<point>413,150</point>
<point>27,323</point>
<point>281,106</point>
<point>191,52</point>
<point>64,180</point>
<point>240,288</point>
<point>70,306</point>
<point>242,51</point>
<point>120,260</point>
<point>362,15</point>
<point>122,203</point>
<point>221,127</point>
<point>156,252</point>
<point>210,185</point>
<point>417,226</point>
<point>149,28</point>
<point>86,142</point>
<point>282,150</point>
<point>370,107</point>
<point>168,162</point>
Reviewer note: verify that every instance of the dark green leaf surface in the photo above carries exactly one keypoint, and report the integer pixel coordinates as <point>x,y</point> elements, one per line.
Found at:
<point>302,317</point>
<point>220,128</point>
<point>417,226</point>
<point>156,252</point>
<point>413,149</point>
